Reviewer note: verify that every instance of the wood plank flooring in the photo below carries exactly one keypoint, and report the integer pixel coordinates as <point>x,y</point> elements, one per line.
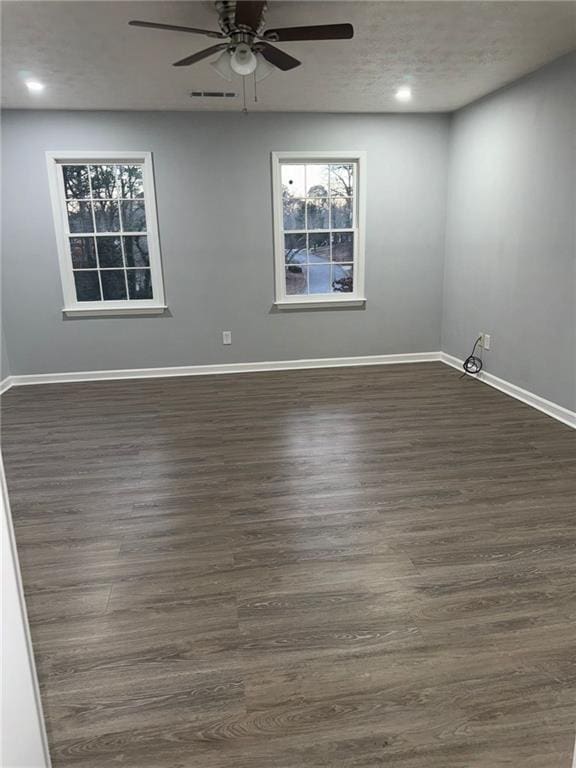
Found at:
<point>342,568</point>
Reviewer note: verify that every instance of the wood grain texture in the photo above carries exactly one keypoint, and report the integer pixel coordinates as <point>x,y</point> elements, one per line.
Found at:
<point>343,568</point>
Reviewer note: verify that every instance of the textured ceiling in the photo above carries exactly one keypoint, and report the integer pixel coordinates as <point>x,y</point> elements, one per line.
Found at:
<point>449,52</point>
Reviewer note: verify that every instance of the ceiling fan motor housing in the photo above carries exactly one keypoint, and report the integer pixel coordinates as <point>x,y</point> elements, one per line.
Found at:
<point>227,20</point>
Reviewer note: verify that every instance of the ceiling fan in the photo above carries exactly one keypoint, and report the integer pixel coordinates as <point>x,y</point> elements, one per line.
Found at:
<point>247,45</point>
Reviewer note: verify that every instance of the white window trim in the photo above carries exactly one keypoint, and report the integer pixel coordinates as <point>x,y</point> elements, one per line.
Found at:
<point>318,301</point>
<point>72,307</point>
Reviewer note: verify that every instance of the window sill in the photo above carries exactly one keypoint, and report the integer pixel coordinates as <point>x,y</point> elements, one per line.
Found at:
<point>319,303</point>
<point>113,311</point>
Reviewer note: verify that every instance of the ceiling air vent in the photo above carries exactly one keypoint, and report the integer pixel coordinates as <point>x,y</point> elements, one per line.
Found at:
<point>213,94</point>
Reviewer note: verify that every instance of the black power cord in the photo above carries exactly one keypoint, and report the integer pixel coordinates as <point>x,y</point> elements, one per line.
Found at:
<point>473,364</point>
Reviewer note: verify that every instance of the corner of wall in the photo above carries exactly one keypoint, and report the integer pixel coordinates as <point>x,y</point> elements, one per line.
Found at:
<point>451,119</point>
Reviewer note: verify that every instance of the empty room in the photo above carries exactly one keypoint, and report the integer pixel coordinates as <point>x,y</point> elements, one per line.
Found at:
<point>288,384</point>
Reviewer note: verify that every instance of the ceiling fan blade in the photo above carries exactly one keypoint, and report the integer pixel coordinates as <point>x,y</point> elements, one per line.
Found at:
<point>320,32</point>
<point>201,55</point>
<point>174,28</point>
<point>249,13</point>
<point>277,57</point>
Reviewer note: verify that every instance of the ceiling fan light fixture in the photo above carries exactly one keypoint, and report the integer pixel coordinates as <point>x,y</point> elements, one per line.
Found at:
<point>264,69</point>
<point>243,61</point>
<point>223,66</point>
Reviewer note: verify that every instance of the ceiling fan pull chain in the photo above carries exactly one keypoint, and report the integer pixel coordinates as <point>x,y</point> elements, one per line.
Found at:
<point>244,107</point>
<point>255,89</point>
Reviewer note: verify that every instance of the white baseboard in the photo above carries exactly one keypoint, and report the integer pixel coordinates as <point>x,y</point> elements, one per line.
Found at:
<point>546,406</point>
<point>205,370</point>
<point>554,410</point>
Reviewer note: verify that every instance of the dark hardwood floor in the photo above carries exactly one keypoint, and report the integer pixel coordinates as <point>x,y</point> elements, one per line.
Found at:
<point>343,568</point>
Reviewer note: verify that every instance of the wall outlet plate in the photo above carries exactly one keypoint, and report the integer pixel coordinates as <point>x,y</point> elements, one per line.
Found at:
<point>226,337</point>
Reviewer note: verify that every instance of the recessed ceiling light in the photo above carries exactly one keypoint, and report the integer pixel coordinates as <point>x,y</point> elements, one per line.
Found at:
<point>404,93</point>
<point>34,86</point>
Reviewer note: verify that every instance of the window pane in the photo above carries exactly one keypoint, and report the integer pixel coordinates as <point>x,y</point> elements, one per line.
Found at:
<point>319,247</point>
<point>317,180</point>
<point>131,180</point>
<point>113,284</point>
<point>139,283</point>
<point>342,278</point>
<point>319,278</point>
<point>82,252</point>
<point>104,181</point>
<point>80,217</point>
<point>87,286</point>
<point>293,214</point>
<point>133,216</point>
<point>342,180</point>
<point>136,251</point>
<point>76,181</point>
<point>341,213</point>
<point>296,280</point>
<point>295,249</point>
<point>109,252</point>
<point>293,180</point>
<point>342,246</point>
<point>107,216</point>
<point>317,214</point>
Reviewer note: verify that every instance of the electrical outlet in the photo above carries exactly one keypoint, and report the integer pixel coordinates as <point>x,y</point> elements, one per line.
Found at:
<point>486,341</point>
<point>226,337</point>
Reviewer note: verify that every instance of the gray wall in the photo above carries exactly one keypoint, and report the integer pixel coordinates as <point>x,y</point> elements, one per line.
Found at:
<point>510,237</point>
<point>214,207</point>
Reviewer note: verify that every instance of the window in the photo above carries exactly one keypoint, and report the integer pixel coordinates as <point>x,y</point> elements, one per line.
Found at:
<point>319,228</point>
<point>106,229</point>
